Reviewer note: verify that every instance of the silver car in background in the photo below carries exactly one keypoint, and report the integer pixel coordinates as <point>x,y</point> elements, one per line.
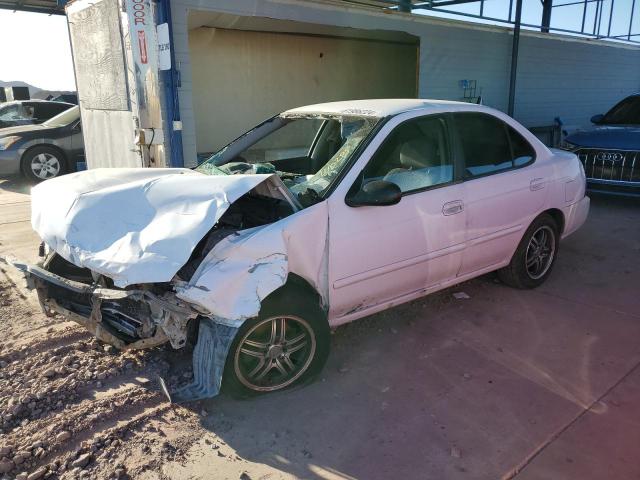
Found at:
<point>43,151</point>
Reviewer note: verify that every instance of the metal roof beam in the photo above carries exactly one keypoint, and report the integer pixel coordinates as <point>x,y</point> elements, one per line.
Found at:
<point>32,9</point>
<point>600,29</point>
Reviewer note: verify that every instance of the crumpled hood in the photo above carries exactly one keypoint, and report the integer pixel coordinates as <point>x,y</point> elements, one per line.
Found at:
<point>134,225</point>
<point>608,136</point>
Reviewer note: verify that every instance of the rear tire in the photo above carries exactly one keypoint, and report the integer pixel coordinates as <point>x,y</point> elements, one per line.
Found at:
<point>535,256</point>
<point>42,163</point>
<point>265,357</point>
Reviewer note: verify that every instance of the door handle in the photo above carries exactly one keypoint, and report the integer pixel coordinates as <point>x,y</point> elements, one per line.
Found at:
<point>451,208</point>
<point>536,184</point>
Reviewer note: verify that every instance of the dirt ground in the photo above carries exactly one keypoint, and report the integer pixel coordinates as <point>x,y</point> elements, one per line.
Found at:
<point>503,384</point>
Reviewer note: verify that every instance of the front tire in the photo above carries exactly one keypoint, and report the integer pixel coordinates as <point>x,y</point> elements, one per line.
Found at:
<point>42,163</point>
<point>287,344</point>
<point>535,256</point>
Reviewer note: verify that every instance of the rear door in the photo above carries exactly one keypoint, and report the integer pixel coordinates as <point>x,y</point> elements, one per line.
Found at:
<point>504,188</point>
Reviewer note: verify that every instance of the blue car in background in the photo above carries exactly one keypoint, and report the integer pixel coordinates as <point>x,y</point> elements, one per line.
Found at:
<point>610,151</point>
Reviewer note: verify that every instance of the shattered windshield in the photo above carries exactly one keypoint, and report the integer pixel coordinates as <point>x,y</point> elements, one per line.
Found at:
<point>306,152</point>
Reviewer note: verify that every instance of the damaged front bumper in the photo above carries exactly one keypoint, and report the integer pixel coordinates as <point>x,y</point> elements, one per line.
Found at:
<point>126,319</point>
<point>107,314</point>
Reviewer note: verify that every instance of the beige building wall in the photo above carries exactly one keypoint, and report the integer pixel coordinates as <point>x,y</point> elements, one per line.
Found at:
<point>240,78</point>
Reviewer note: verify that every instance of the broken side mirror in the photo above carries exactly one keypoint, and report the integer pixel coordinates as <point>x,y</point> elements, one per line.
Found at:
<point>597,118</point>
<point>375,193</point>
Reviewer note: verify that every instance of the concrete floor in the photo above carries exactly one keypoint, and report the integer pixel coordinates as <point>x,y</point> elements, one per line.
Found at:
<point>16,236</point>
<point>539,384</point>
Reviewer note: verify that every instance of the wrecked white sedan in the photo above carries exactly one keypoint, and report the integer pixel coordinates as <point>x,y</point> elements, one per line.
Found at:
<point>317,217</point>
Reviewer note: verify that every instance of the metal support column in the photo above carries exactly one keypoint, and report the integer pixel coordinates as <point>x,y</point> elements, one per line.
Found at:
<point>170,80</point>
<point>547,8</point>
<point>404,6</point>
<point>514,57</point>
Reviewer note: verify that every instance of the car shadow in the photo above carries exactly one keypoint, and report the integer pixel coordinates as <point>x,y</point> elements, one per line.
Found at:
<point>16,184</point>
<point>373,412</point>
<point>316,430</point>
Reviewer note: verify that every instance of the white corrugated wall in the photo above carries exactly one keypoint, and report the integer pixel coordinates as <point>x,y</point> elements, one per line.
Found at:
<point>570,79</point>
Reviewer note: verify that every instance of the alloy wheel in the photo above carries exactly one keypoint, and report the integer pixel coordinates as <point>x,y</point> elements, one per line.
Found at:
<point>275,353</point>
<point>45,165</point>
<point>540,252</point>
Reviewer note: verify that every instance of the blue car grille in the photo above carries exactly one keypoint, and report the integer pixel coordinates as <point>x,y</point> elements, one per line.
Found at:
<point>611,166</point>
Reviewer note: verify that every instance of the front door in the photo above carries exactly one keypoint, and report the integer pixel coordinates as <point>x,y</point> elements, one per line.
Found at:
<point>382,253</point>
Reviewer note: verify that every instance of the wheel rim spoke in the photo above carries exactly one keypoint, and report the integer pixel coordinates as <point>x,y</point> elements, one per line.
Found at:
<point>280,367</point>
<point>258,367</point>
<point>274,332</point>
<point>543,238</point>
<point>252,353</point>
<point>258,345</point>
<point>283,331</point>
<point>292,342</point>
<point>297,347</point>
<point>287,361</point>
<point>263,371</point>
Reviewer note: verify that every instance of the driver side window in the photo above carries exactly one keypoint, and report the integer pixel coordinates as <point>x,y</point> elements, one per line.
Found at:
<point>415,156</point>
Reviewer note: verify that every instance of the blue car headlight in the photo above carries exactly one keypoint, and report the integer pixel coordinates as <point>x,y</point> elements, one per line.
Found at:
<point>6,142</point>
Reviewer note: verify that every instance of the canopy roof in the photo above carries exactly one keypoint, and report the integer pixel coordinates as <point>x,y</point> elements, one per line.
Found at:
<point>52,7</point>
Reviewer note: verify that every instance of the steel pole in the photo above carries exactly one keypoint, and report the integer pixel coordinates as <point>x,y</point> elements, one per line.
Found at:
<point>547,7</point>
<point>404,6</point>
<point>514,58</point>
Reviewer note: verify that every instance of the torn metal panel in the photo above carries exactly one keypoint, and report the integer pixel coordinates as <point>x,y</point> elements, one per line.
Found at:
<point>243,269</point>
<point>149,220</point>
<point>209,358</point>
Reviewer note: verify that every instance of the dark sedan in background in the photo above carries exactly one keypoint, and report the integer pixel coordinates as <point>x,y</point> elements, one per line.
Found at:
<point>610,151</point>
<point>27,112</point>
<point>43,151</point>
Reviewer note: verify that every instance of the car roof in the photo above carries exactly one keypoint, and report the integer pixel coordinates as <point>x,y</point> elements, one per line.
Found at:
<point>34,100</point>
<point>384,107</point>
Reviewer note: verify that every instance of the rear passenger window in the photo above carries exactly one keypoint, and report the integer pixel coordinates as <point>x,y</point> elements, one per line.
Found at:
<point>489,145</point>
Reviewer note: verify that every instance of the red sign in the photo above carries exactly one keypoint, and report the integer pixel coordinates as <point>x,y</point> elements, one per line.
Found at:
<point>142,43</point>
